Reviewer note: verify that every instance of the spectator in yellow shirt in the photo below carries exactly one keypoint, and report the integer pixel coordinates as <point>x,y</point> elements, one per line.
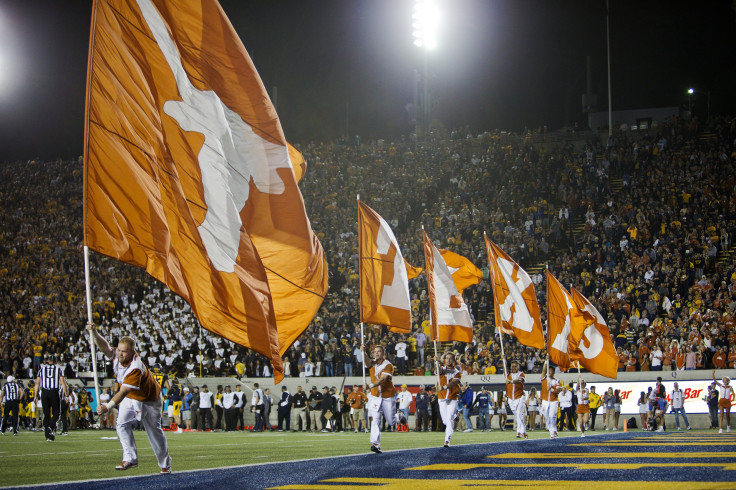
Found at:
<point>594,402</point>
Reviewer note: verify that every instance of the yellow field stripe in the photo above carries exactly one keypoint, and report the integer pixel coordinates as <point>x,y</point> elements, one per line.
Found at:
<point>710,454</point>
<point>577,466</point>
<point>650,443</point>
<point>423,484</point>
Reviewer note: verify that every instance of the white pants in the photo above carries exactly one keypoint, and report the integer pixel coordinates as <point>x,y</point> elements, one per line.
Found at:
<point>518,407</point>
<point>150,414</point>
<point>549,409</point>
<point>448,410</point>
<point>378,407</point>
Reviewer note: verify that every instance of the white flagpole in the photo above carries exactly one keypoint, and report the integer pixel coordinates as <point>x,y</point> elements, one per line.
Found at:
<point>503,355</point>
<point>360,279</point>
<point>437,368</point>
<point>89,319</point>
<point>362,349</point>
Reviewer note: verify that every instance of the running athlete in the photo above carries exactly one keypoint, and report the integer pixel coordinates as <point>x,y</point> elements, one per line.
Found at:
<point>724,403</point>
<point>139,398</point>
<point>448,391</point>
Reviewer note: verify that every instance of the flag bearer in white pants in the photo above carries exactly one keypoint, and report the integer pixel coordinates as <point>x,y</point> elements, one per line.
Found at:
<point>517,398</point>
<point>139,398</point>
<point>550,389</point>
<point>448,392</point>
<point>381,400</point>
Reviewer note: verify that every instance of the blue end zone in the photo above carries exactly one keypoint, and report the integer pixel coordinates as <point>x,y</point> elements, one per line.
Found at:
<point>618,460</point>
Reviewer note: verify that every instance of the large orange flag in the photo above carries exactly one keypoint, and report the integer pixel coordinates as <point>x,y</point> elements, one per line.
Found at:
<point>561,315</point>
<point>188,174</point>
<point>384,281</point>
<point>590,340</point>
<point>516,308</point>
<point>449,315</point>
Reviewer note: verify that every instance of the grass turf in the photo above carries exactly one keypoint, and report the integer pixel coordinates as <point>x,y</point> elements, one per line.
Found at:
<point>27,459</point>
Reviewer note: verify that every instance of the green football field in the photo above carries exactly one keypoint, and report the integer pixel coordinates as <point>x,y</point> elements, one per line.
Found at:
<point>88,454</point>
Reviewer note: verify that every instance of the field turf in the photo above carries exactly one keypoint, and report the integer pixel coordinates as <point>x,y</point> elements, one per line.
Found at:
<point>616,460</point>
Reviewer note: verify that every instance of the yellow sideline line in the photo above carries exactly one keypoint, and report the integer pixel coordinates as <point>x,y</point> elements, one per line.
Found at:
<point>577,466</point>
<point>724,454</point>
<point>423,484</point>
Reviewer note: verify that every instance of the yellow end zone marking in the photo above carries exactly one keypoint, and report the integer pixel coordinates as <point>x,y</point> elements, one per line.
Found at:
<point>577,466</point>
<point>423,484</point>
<point>650,443</point>
<point>673,455</point>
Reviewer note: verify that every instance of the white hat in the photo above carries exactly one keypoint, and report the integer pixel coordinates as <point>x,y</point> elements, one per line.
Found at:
<point>10,379</point>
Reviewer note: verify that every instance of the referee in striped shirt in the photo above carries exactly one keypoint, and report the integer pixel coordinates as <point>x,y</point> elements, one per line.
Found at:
<point>49,378</point>
<point>11,395</point>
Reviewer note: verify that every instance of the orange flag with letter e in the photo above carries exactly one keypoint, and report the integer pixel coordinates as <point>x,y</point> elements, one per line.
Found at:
<point>384,274</point>
<point>590,340</point>
<point>562,314</point>
<point>188,174</point>
<point>515,302</point>
<point>450,317</point>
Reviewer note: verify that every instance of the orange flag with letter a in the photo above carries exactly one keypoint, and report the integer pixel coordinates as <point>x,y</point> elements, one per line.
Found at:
<point>450,317</point>
<point>188,174</point>
<point>590,340</point>
<point>384,281</point>
<point>515,302</point>
<point>562,314</point>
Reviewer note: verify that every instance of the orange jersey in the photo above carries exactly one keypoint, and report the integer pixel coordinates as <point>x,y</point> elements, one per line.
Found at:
<point>136,376</point>
<point>446,376</point>
<point>548,389</point>
<point>357,400</point>
<point>515,390</point>
<point>386,389</point>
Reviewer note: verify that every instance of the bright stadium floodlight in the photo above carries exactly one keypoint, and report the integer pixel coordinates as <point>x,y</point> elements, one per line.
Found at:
<point>425,22</point>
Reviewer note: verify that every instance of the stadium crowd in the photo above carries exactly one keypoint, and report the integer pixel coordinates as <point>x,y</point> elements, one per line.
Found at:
<point>641,225</point>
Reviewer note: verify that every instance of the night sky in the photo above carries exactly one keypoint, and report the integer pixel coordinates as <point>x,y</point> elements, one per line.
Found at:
<point>346,66</point>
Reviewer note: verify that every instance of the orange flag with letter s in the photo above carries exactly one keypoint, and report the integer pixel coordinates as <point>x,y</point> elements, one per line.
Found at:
<point>515,302</point>
<point>188,174</point>
<point>449,315</point>
<point>384,274</point>
<point>590,340</point>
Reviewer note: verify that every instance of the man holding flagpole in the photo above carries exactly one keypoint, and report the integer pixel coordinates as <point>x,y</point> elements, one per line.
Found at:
<point>550,389</point>
<point>139,398</point>
<point>517,399</point>
<point>449,390</point>
<point>381,401</point>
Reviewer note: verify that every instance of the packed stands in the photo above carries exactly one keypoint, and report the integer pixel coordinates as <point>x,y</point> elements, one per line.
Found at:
<point>642,225</point>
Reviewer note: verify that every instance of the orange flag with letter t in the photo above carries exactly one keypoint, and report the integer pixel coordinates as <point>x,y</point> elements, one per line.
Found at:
<point>562,314</point>
<point>516,307</point>
<point>590,340</point>
<point>450,317</point>
<point>384,281</point>
<point>188,174</point>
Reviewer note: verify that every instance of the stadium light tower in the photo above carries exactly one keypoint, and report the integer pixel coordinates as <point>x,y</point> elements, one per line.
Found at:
<point>425,23</point>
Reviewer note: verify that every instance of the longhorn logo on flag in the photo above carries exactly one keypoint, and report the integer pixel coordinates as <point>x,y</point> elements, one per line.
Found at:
<point>188,174</point>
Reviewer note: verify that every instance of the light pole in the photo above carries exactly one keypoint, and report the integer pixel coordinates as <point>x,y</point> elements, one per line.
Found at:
<point>425,19</point>
<point>690,93</point>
